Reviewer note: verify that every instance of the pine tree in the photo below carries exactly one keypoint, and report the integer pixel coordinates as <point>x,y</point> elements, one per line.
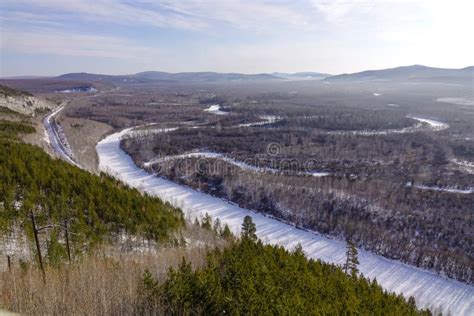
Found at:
<point>249,229</point>
<point>207,222</point>
<point>226,233</point>
<point>352,262</point>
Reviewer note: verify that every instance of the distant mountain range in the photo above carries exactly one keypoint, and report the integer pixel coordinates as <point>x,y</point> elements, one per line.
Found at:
<point>417,73</point>
<point>192,76</point>
<point>405,74</point>
<point>171,77</point>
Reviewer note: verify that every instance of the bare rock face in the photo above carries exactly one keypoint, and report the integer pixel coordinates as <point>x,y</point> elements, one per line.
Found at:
<point>22,101</point>
<point>25,104</point>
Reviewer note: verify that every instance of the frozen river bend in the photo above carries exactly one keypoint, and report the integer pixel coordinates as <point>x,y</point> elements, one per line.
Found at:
<point>429,289</point>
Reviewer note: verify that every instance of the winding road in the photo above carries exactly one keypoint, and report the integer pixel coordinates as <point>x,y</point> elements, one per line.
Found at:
<point>57,139</point>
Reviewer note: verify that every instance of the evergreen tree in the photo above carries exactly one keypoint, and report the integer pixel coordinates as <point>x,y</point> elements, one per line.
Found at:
<point>249,229</point>
<point>226,233</point>
<point>352,262</point>
<point>207,222</point>
<point>217,226</point>
<point>249,278</point>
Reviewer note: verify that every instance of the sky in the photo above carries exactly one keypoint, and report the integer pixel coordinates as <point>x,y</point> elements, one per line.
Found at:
<point>51,37</point>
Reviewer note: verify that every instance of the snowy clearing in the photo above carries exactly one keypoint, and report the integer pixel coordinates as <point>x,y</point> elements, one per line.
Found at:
<point>429,289</point>
<point>216,109</point>
<point>464,165</point>
<point>458,101</point>
<point>79,89</point>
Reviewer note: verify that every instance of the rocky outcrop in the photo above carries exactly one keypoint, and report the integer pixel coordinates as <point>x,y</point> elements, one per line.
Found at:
<point>22,102</point>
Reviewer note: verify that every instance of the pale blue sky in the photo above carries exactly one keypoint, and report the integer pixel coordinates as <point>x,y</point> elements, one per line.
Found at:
<point>50,37</point>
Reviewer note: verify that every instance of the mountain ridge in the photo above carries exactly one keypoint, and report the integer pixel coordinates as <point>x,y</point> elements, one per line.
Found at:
<point>406,73</point>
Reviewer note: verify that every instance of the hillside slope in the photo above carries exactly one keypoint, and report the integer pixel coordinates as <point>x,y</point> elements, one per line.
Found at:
<point>415,73</point>
<point>22,102</point>
<point>76,211</point>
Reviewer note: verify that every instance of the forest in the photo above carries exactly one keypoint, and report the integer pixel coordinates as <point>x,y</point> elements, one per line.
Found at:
<point>40,193</point>
<point>82,212</point>
<point>405,195</point>
<point>250,278</point>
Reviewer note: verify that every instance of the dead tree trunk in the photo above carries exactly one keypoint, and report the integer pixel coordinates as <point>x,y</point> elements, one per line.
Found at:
<point>38,248</point>
<point>67,241</point>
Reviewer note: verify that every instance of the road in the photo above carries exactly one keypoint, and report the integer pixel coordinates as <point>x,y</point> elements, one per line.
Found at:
<point>56,137</point>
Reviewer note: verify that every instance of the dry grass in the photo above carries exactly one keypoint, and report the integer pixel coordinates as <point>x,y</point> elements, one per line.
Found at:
<point>105,282</point>
<point>94,285</point>
<point>83,135</point>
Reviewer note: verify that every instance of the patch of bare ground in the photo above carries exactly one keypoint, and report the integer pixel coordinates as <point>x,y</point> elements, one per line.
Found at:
<point>83,135</point>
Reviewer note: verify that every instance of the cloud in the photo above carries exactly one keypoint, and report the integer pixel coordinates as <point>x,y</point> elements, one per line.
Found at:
<point>183,15</point>
<point>241,35</point>
<point>111,11</point>
<point>242,14</point>
<point>49,41</point>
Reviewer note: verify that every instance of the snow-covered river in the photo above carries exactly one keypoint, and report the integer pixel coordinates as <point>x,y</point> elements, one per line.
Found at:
<point>429,289</point>
<point>235,162</point>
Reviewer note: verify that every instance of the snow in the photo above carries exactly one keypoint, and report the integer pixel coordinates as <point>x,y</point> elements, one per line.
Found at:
<point>267,119</point>
<point>81,89</point>
<point>419,126</point>
<point>434,125</point>
<point>149,130</point>
<point>444,189</point>
<point>429,289</point>
<point>216,109</point>
<point>464,165</point>
<point>376,94</point>
<point>393,105</point>
<point>457,100</point>
<point>240,164</point>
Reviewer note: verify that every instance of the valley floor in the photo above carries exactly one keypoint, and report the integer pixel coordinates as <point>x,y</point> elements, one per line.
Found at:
<point>430,290</point>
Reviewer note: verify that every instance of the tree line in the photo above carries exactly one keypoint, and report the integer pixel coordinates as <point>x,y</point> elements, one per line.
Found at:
<point>251,278</point>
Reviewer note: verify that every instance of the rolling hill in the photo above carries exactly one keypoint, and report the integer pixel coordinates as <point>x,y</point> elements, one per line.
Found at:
<point>415,73</point>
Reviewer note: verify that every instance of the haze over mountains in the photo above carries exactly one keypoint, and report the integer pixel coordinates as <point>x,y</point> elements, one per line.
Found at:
<point>405,74</point>
<point>411,73</point>
<point>408,73</point>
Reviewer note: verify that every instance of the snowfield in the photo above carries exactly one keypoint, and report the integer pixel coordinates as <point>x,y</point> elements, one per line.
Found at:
<point>429,289</point>
<point>464,165</point>
<point>459,101</point>
<point>434,125</point>
<point>216,109</point>
<point>79,89</point>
